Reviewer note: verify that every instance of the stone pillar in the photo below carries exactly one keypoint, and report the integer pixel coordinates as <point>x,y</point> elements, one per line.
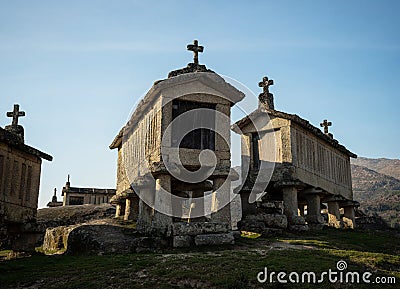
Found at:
<point>334,214</point>
<point>162,221</point>
<point>146,207</point>
<point>290,203</point>
<point>220,196</point>
<point>314,217</point>
<point>301,210</point>
<point>197,206</point>
<point>349,217</point>
<point>118,210</point>
<point>128,209</point>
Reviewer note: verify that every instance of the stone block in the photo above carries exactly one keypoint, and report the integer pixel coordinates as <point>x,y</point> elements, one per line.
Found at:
<point>182,241</point>
<point>214,239</point>
<point>193,229</point>
<point>270,220</point>
<point>298,228</point>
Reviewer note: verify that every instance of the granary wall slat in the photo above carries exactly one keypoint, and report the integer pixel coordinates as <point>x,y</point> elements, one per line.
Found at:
<point>319,158</point>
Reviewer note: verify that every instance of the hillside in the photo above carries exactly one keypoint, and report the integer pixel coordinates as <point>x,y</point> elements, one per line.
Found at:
<point>389,167</point>
<point>368,183</point>
<point>377,193</point>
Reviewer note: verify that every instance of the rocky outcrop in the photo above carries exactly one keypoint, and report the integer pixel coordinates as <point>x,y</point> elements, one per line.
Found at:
<point>71,215</point>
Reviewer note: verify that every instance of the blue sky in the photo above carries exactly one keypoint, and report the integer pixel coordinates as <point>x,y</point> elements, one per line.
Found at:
<point>78,67</point>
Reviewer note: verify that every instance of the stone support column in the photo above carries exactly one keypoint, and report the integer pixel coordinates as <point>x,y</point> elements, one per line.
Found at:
<point>220,196</point>
<point>197,206</point>
<point>334,214</point>
<point>163,202</point>
<point>146,207</point>
<point>301,210</point>
<point>118,210</point>
<point>290,203</point>
<point>314,209</point>
<point>349,217</point>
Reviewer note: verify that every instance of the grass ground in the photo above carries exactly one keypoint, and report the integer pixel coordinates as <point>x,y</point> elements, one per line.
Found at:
<point>233,267</point>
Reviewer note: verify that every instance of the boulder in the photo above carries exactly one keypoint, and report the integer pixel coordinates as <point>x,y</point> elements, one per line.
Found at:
<point>56,238</point>
<point>99,239</point>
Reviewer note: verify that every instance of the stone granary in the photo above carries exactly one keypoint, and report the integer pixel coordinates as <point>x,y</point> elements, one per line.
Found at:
<point>306,167</point>
<point>20,167</point>
<point>84,196</point>
<point>54,201</point>
<point>157,161</point>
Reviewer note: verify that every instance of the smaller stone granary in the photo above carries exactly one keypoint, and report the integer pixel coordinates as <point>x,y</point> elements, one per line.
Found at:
<point>20,168</point>
<point>54,201</point>
<point>305,167</point>
<point>159,150</point>
<point>83,196</point>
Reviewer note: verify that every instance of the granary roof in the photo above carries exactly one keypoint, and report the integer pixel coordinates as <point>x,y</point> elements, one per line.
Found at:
<point>296,119</point>
<point>14,141</point>
<point>210,79</point>
<point>77,190</point>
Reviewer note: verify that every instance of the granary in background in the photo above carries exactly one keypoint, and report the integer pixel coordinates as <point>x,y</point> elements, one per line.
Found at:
<point>142,169</point>
<point>311,167</point>
<point>20,167</point>
<point>83,196</point>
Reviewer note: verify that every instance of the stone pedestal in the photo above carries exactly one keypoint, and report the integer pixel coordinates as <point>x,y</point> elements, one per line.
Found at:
<point>334,214</point>
<point>301,210</point>
<point>118,210</point>
<point>146,208</point>
<point>221,192</point>
<point>131,208</point>
<point>314,217</point>
<point>349,217</point>
<point>290,203</point>
<point>197,210</point>
<point>163,202</point>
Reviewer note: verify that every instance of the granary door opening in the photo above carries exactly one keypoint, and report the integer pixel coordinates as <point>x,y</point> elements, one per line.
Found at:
<point>197,138</point>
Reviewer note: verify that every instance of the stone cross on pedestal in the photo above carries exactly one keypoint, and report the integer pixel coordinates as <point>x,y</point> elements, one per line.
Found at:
<point>196,49</point>
<point>266,98</point>
<point>14,128</point>
<point>265,83</point>
<point>326,124</point>
<point>15,114</point>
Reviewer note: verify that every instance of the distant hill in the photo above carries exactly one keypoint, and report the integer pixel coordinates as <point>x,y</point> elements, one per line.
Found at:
<point>390,167</point>
<point>369,184</point>
<point>378,193</point>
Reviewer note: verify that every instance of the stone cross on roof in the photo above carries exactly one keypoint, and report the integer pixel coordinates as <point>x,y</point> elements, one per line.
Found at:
<point>266,99</point>
<point>265,83</point>
<point>326,124</point>
<point>196,49</point>
<point>15,114</point>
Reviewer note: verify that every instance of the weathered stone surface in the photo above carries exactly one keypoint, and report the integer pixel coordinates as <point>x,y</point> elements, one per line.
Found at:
<point>214,239</point>
<point>56,238</point>
<point>99,239</point>
<point>298,220</point>
<point>192,229</point>
<point>70,215</point>
<point>270,220</point>
<point>298,228</point>
<point>182,241</point>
